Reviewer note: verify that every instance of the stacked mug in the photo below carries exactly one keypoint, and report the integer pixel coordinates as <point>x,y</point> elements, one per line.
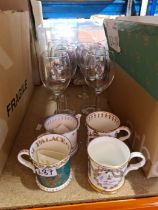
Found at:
<point>108,155</point>
<point>50,153</point>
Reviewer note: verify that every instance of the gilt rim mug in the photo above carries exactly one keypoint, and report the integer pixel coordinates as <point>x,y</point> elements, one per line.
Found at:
<point>108,163</point>
<point>101,123</point>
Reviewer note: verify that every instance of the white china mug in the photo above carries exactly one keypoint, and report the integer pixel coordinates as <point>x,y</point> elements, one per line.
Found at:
<point>66,125</point>
<point>108,163</point>
<point>50,160</point>
<point>102,123</point>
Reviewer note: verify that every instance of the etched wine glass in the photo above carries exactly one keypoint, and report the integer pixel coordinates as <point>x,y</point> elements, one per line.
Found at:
<point>56,73</point>
<point>69,48</point>
<point>98,69</point>
<point>83,95</point>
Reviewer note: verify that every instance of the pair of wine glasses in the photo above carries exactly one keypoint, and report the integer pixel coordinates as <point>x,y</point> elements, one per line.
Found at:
<point>59,65</point>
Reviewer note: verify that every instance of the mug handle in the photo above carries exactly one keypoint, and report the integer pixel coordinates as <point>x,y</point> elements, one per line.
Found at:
<point>135,166</point>
<point>123,128</point>
<point>25,162</point>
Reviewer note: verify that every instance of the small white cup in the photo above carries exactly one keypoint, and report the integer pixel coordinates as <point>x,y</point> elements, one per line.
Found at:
<point>109,163</point>
<point>102,123</point>
<point>66,125</point>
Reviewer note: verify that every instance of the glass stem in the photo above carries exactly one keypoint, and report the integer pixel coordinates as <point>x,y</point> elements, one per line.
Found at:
<point>63,102</point>
<point>58,104</point>
<point>97,101</point>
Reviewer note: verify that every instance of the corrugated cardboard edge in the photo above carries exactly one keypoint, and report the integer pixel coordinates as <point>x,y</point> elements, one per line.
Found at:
<point>146,20</point>
<point>36,18</point>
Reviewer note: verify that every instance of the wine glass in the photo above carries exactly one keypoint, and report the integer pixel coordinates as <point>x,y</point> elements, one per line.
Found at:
<point>61,45</point>
<point>83,95</point>
<point>97,69</point>
<point>71,50</point>
<point>56,73</point>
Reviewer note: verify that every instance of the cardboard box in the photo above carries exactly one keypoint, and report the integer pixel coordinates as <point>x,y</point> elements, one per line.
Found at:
<point>15,76</point>
<point>133,95</point>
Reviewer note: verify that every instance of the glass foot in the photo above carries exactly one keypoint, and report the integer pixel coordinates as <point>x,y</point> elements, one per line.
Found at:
<point>88,109</point>
<point>83,96</point>
<point>68,111</point>
<point>84,93</point>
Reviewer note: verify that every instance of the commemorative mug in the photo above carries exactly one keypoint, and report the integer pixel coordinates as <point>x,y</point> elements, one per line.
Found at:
<point>66,125</point>
<point>102,123</point>
<point>50,161</point>
<point>108,163</point>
